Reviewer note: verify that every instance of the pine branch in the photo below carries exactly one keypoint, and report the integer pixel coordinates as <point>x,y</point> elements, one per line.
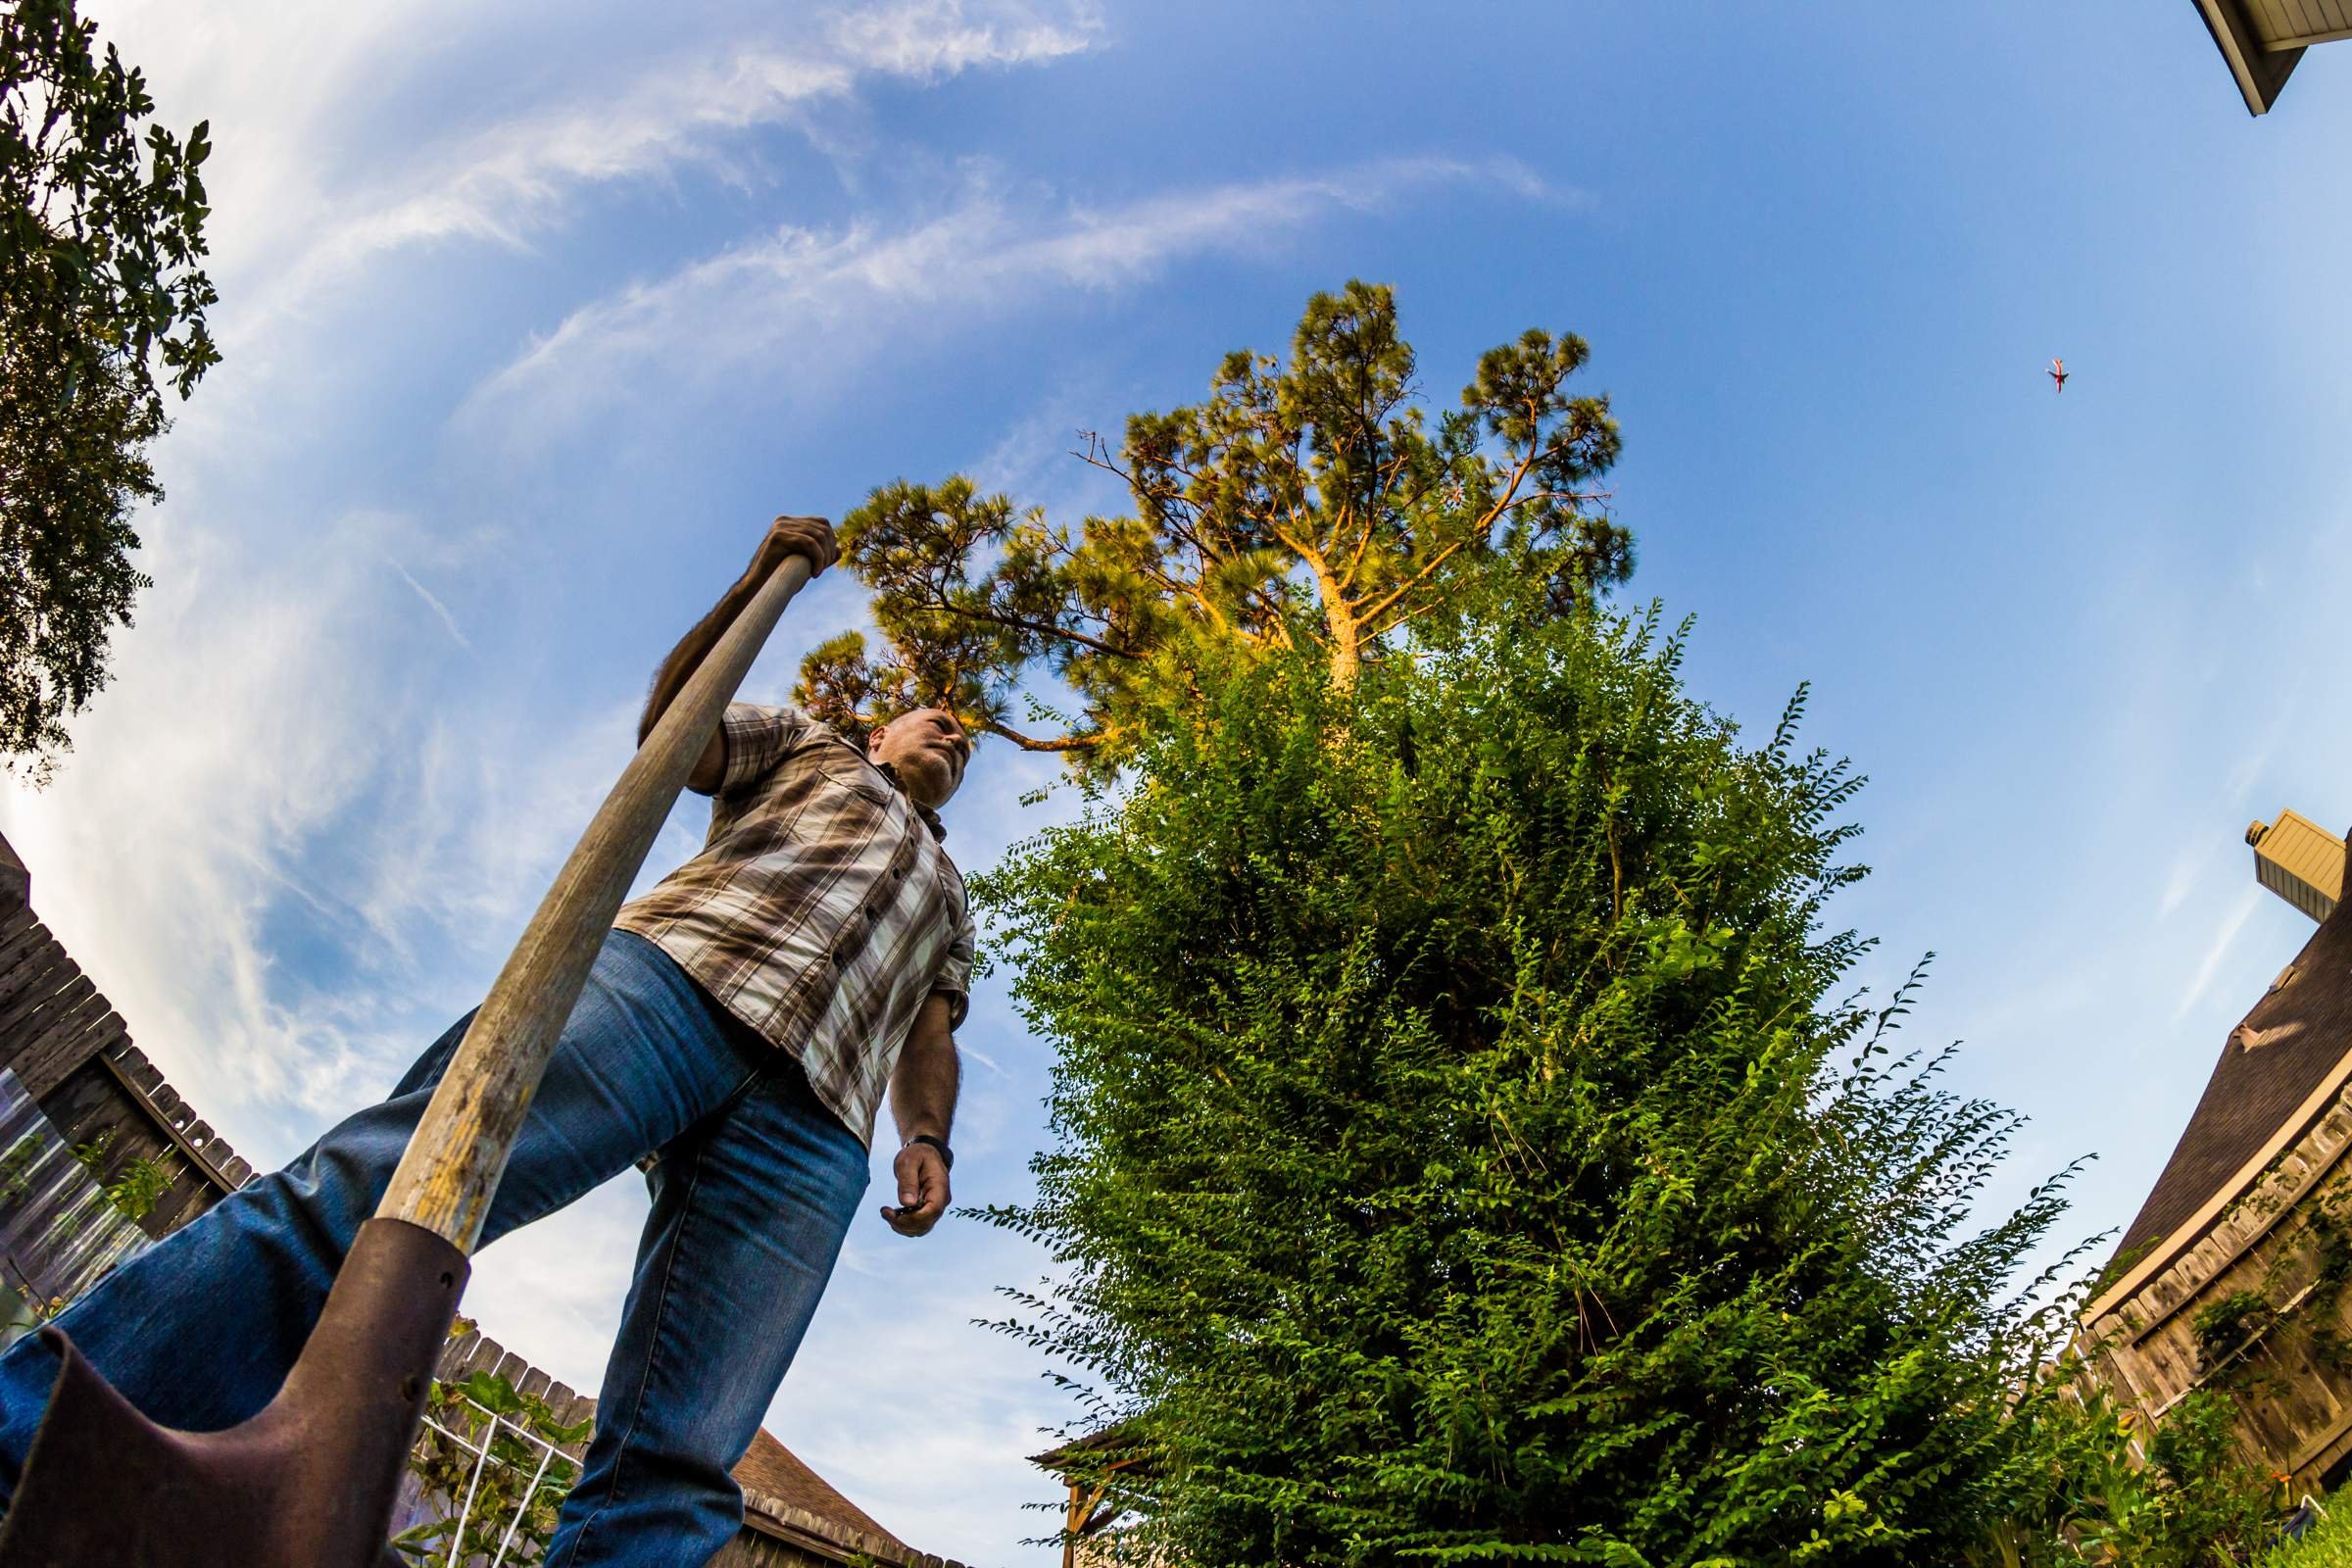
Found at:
<point>1030,743</point>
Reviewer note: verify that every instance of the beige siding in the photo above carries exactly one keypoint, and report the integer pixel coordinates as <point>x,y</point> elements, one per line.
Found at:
<point>2298,859</point>
<point>2287,23</point>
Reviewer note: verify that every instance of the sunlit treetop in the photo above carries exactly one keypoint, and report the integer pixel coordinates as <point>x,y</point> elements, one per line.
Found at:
<point>1313,501</point>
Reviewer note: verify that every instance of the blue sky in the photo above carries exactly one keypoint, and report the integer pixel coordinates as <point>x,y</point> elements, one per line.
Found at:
<point>535,314</point>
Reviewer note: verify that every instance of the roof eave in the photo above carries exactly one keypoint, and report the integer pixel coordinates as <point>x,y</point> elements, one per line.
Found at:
<point>2260,73</point>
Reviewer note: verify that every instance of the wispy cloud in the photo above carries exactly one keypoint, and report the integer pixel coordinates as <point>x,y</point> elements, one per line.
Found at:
<point>227,743</point>
<point>2218,949</point>
<point>517,176</point>
<point>437,606</point>
<point>343,148</point>
<point>2187,869</point>
<point>835,292</point>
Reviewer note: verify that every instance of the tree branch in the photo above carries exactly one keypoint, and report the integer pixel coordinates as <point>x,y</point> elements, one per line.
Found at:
<point>1367,614</point>
<point>940,603</point>
<point>1533,497</point>
<point>1030,743</point>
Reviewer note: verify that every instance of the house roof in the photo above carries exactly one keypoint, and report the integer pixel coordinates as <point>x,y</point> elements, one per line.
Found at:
<point>1089,1450</point>
<point>776,1471</point>
<point>2262,39</point>
<point>2287,1046</point>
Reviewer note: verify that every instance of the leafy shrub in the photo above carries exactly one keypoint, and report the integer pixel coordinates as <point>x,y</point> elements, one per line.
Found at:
<point>1462,1153</point>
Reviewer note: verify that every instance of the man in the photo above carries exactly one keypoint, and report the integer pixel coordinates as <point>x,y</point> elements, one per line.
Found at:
<point>739,1027</point>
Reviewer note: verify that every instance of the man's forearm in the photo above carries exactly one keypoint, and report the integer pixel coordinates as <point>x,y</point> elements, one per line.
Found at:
<point>685,659</point>
<point>808,537</point>
<point>925,1084</point>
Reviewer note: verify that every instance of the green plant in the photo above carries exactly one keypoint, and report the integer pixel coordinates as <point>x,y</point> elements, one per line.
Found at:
<point>138,1187</point>
<point>102,215</point>
<point>1462,1152</point>
<point>2331,1270</point>
<point>2106,1490</point>
<point>15,1169</point>
<point>2224,1328</point>
<point>32,1314</point>
<point>91,1156</point>
<point>512,1490</point>
<point>134,1190</point>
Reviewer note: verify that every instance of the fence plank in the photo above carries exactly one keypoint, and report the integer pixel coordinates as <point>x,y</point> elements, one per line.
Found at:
<point>145,1076</point>
<point>190,1196</point>
<point>453,1354</point>
<point>68,1038</point>
<point>18,955</point>
<point>52,1033</point>
<point>16,961</point>
<point>39,987</point>
<point>38,982</point>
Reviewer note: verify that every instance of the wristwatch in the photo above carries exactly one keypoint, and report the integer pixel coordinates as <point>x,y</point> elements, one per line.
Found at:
<point>947,1155</point>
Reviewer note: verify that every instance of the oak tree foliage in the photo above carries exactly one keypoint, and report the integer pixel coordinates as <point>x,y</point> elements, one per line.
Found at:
<point>1312,500</point>
<point>102,286</point>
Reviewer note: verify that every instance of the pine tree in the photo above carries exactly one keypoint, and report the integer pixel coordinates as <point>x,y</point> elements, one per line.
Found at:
<point>1461,1151</point>
<point>1314,502</point>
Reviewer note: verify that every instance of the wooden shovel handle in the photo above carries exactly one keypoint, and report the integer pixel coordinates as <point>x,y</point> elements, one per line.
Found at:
<point>451,1169</point>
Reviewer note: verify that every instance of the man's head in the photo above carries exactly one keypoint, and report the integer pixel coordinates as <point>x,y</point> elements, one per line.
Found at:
<point>927,749</point>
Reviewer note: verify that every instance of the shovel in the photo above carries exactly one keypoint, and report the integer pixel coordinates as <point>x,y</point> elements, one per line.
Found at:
<point>311,1481</point>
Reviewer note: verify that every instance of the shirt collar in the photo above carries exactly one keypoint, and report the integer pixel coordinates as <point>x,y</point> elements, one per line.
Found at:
<point>939,829</point>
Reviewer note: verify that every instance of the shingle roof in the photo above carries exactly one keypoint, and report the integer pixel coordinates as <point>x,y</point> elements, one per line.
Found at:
<point>2270,1064</point>
<point>773,1468</point>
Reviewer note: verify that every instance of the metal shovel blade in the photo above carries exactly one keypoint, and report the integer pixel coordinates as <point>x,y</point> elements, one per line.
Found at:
<point>308,1483</point>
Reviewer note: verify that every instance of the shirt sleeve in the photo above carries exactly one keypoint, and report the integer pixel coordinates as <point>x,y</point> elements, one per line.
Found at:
<point>954,978</point>
<point>755,739</point>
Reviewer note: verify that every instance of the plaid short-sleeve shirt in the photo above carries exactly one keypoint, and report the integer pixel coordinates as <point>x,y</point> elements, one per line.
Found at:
<point>822,910</point>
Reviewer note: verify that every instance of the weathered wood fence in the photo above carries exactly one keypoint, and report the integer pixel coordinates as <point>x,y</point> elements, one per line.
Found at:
<point>74,1057</point>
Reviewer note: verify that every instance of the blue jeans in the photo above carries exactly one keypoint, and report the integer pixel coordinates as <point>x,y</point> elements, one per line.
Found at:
<point>751,1194</point>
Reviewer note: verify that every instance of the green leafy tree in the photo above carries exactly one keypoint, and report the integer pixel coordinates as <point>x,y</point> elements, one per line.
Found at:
<point>101,240</point>
<point>1460,1151</point>
<point>1312,501</point>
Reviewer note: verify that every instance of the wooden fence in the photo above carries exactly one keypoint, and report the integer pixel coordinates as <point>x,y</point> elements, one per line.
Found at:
<point>73,1057</point>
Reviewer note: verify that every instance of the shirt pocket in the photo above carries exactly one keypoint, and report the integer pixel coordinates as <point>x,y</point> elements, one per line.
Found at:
<point>843,771</point>
<point>838,803</point>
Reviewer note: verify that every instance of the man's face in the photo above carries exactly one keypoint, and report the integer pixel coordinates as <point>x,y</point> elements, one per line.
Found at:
<point>928,750</point>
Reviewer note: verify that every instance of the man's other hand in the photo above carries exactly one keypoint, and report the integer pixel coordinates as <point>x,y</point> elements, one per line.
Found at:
<point>922,1190</point>
<point>811,537</point>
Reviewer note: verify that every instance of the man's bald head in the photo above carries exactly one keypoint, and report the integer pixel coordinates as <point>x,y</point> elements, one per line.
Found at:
<point>927,749</point>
